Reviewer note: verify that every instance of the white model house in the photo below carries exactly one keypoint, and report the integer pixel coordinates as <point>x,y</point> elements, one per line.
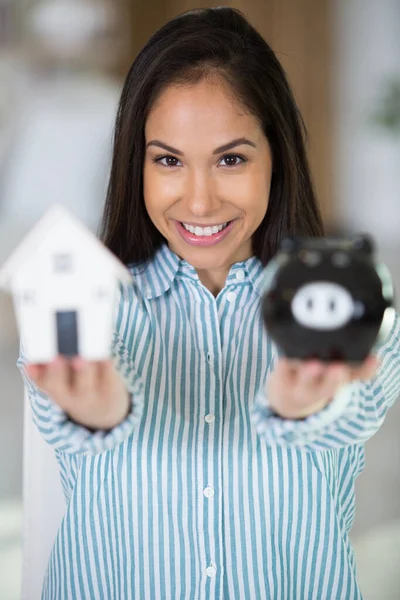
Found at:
<point>64,283</point>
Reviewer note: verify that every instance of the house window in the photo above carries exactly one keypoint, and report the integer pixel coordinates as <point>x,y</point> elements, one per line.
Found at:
<point>62,263</point>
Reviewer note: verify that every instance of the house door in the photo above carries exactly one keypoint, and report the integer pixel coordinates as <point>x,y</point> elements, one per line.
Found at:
<point>67,332</point>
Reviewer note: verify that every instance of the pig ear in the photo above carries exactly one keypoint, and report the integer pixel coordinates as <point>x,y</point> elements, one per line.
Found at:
<point>364,243</point>
<point>289,244</point>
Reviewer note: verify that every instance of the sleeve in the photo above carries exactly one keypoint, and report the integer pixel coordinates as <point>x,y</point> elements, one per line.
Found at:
<point>69,437</point>
<point>353,416</point>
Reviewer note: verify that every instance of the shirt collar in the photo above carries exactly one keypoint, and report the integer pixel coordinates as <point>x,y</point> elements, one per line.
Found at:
<point>155,277</point>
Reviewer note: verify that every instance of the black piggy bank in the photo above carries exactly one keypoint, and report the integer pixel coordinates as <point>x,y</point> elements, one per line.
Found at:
<point>326,298</point>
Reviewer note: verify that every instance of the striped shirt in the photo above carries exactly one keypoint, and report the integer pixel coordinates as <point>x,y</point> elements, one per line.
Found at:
<point>202,493</point>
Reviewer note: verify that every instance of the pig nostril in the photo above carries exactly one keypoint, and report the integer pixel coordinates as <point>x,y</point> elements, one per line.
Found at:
<point>309,303</point>
<point>332,305</point>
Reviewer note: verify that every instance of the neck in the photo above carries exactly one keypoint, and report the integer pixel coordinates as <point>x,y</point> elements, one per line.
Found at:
<point>213,280</point>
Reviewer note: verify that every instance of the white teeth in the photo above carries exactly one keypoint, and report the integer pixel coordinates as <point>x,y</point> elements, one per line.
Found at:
<point>204,231</point>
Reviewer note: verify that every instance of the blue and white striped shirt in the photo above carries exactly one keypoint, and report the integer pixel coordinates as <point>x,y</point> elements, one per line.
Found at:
<point>202,492</point>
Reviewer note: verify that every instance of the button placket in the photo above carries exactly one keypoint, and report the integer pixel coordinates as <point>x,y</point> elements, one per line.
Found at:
<point>213,358</point>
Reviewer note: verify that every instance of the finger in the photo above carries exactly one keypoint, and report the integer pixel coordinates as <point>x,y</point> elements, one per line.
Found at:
<point>84,376</point>
<point>106,374</point>
<point>52,378</point>
<point>32,371</point>
<point>292,363</point>
<point>311,373</point>
<point>285,371</point>
<point>280,379</point>
<point>36,372</point>
<point>367,370</point>
<point>336,376</point>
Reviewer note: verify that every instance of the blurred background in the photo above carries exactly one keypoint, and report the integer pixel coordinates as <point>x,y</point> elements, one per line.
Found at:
<point>62,64</point>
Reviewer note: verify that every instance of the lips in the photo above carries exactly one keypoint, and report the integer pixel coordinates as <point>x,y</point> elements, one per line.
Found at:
<point>204,240</point>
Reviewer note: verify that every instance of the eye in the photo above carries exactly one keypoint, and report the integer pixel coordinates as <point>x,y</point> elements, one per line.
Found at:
<point>170,161</point>
<point>231,160</point>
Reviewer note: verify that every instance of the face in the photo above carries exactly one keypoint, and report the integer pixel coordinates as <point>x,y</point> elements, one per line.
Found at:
<point>207,174</point>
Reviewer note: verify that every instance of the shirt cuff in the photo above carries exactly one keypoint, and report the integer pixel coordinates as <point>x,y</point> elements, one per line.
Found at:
<point>278,430</point>
<point>72,438</point>
<point>65,435</point>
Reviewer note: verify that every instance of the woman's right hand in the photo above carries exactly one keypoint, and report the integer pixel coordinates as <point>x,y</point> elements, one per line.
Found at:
<point>91,393</point>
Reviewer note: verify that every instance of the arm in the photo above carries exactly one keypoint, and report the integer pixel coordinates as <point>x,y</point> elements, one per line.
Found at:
<point>68,436</point>
<point>356,412</point>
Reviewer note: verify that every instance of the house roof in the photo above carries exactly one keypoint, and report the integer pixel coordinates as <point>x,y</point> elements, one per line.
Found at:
<point>52,217</point>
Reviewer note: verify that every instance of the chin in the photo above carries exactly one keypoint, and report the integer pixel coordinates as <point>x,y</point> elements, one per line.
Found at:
<point>207,258</point>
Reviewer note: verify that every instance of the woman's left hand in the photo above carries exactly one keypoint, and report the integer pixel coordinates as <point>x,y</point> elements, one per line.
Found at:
<point>297,389</point>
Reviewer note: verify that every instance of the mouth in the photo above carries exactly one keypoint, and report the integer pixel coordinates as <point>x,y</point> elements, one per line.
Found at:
<point>196,235</point>
<point>207,231</point>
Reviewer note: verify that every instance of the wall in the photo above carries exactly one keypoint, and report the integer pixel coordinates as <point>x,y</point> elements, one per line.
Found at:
<point>366,157</point>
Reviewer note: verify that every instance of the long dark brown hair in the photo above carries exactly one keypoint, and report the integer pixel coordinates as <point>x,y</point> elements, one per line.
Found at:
<point>192,46</point>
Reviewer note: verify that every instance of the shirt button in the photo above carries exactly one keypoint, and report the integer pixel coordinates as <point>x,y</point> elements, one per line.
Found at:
<point>231,296</point>
<point>211,571</point>
<point>210,418</point>
<point>240,275</point>
<point>147,291</point>
<point>208,492</point>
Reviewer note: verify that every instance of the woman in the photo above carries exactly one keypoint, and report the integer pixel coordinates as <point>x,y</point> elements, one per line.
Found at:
<point>201,466</point>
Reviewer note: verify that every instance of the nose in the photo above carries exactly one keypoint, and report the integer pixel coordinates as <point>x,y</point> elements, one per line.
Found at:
<point>200,195</point>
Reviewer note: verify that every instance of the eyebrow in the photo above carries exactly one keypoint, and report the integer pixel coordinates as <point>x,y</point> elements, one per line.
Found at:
<point>224,148</point>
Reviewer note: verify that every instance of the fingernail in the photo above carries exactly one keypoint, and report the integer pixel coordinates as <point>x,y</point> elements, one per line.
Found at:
<point>78,364</point>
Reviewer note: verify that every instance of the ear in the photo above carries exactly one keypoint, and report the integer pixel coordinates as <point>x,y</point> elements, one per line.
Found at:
<point>364,243</point>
